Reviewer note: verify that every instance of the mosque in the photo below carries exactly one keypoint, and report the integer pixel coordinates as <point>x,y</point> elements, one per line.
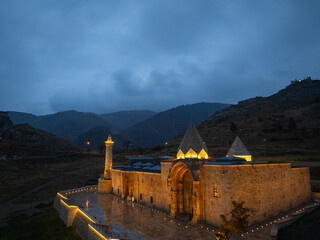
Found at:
<point>195,186</point>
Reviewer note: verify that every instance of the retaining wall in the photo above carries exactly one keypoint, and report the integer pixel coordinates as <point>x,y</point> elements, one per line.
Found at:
<point>85,225</point>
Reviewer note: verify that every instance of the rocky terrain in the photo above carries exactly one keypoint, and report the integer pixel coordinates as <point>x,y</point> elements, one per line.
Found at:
<point>286,123</point>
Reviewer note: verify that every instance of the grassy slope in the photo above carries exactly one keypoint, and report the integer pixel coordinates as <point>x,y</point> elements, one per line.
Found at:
<point>22,175</point>
<point>46,225</point>
<point>306,227</point>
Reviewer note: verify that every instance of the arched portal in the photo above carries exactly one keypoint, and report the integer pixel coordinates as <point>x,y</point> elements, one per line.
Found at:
<point>182,200</point>
<point>187,193</point>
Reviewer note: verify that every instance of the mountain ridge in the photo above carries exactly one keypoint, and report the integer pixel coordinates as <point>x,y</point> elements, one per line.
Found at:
<point>285,123</point>
<point>167,125</point>
<point>22,140</point>
<point>125,119</point>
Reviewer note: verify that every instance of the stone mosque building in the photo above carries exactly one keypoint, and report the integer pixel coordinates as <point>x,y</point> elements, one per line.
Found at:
<point>202,188</point>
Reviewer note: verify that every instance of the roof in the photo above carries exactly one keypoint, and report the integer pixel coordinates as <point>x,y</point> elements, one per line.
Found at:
<point>141,158</point>
<point>238,148</point>
<point>165,157</point>
<point>140,167</point>
<point>240,163</point>
<point>192,139</point>
<point>230,158</point>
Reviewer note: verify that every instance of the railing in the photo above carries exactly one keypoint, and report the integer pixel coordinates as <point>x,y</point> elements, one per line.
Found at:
<point>81,189</point>
<point>104,231</point>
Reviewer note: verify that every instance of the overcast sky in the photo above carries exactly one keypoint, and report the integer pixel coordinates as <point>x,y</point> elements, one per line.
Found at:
<point>104,56</point>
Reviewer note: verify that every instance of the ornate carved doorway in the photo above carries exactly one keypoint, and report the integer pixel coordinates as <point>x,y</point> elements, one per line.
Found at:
<point>187,193</point>
<point>182,200</point>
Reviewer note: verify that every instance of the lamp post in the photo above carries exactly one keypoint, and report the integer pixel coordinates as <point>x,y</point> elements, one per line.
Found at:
<point>88,145</point>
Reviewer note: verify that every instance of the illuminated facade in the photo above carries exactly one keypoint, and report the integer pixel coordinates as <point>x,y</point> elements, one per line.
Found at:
<point>201,188</point>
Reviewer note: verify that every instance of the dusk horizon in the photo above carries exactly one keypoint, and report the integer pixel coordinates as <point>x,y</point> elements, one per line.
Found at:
<point>159,119</point>
<point>108,56</point>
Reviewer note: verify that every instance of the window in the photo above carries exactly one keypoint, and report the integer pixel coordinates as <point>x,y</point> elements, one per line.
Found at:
<point>111,189</point>
<point>151,199</point>
<point>118,190</point>
<point>140,196</point>
<point>215,192</point>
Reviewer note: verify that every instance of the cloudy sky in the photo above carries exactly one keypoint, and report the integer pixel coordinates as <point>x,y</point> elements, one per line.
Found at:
<point>104,56</point>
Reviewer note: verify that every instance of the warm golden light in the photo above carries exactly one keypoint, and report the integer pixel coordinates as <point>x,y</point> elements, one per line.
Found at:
<point>109,141</point>
<point>180,155</point>
<point>215,192</point>
<point>203,154</point>
<point>247,157</point>
<point>192,154</point>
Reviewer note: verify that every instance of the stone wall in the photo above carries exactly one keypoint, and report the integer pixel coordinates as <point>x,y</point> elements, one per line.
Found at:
<point>147,188</point>
<point>74,217</point>
<point>268,189</point>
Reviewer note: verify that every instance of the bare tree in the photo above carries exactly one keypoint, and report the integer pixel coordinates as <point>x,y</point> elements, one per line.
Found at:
<point>237,223</point>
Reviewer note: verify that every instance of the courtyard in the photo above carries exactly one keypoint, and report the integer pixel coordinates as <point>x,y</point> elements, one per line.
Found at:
<point>136,221</point>
<point>130,220</point>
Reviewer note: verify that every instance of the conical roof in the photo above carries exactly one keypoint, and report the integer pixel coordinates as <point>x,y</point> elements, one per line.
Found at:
<point>238,148</point>
<point>192,139</point>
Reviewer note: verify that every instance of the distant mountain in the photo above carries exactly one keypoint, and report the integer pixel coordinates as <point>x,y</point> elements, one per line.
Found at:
<point>22,140</point>
<point>286,123</point>
<point>67,125</point>
<point>125,119</point>
<point>167,125</point>
<point>97,136</point>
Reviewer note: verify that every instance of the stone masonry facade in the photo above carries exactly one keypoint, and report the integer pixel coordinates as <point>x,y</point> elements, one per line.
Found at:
<point>268,189</point>
<point>202,189</point>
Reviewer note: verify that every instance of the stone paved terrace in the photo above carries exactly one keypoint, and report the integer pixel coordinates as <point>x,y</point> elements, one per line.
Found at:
<point>137,221</point>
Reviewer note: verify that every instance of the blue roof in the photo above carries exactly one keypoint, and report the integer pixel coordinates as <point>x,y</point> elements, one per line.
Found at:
<point>230,162</point>
<point>230,158</point>
<point>154,169</point>
<point>165,157</point>
<point>141,158</point>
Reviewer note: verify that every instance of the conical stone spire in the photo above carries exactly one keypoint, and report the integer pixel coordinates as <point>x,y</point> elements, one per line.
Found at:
<point>238,149</point>
<point>192,145</point>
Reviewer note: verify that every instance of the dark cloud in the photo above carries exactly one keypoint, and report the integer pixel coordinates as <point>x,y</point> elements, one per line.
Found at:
<point>104,56</point>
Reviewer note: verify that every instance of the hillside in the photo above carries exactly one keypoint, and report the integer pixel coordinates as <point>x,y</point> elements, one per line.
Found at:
<point>286,123</point>
<point>67,125</point>
<point>22,140</point>
<point>167,125</point>
<point>97,136</point>
<point>125,119</point>
<point>35,165</point>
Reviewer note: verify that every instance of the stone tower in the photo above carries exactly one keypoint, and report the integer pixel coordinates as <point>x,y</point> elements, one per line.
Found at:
<point>105,183</point>
<point>108,158</point>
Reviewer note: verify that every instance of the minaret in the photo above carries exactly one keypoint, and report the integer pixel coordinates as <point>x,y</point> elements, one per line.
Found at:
<point>108,158</point>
